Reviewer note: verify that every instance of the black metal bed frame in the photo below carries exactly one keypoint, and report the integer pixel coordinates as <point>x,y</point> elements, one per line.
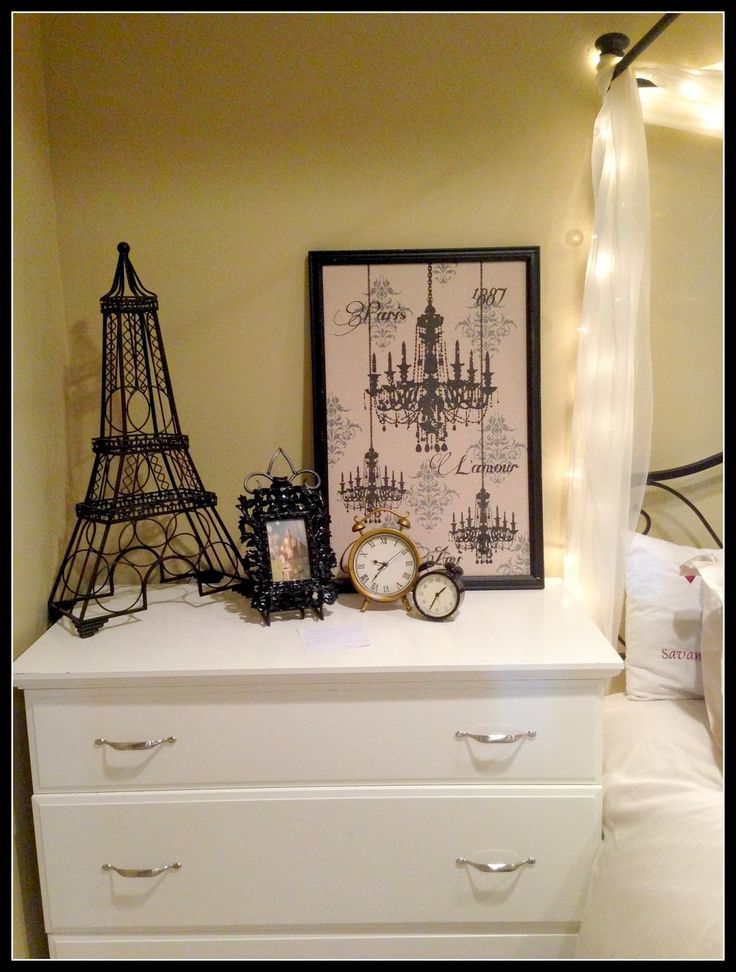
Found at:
<point>656,478</point>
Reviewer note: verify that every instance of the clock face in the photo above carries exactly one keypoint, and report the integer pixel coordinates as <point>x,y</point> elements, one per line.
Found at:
<point>436,596</point>
<point>383,565</point>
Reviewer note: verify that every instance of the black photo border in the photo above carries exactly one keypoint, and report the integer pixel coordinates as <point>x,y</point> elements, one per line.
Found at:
<point>282,500</point>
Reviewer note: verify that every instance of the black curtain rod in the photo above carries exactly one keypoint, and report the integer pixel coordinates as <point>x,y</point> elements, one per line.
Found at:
<point>617,43</point>
<point>651,35</point>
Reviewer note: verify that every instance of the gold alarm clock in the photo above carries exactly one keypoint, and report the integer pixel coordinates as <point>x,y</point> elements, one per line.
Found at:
<point>383,563</point>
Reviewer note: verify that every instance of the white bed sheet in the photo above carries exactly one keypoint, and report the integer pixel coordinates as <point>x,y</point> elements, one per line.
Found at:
<point>656,889</point>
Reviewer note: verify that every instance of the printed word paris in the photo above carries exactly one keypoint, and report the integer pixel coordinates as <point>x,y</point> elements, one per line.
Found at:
<point>357,312</point>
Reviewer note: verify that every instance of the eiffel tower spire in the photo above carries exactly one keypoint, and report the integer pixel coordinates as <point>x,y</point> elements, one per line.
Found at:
<point>147,517</point>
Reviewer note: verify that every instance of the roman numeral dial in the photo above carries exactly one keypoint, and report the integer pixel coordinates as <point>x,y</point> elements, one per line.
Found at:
<point>383,564</point>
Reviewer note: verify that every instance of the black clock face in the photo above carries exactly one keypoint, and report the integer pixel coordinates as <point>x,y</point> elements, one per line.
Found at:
<point>383,565</point>
<point>437,596</point>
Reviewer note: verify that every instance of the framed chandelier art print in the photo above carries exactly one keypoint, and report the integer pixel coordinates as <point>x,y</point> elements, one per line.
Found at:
<point>427,402</point>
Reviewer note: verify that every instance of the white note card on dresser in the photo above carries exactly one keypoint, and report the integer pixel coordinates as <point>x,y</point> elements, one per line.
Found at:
<point>323,638</point>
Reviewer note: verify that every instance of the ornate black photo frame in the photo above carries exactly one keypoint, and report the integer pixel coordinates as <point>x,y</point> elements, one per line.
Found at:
<point>284,527</point>
<point>426,392</point>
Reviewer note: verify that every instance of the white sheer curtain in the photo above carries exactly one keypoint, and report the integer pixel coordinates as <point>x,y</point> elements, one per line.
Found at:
<point>684,98</point>
<point>613,400</point>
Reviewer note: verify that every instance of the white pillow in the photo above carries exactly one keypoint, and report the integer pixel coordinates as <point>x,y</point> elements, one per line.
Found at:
<point>710,570</point>
<point>663,622</point>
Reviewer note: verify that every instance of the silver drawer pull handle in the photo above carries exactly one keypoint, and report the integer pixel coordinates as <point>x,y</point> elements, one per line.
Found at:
<point>146,744</point>
<point>496,868</point>
<point>500,737</point>
<point>141,872</point>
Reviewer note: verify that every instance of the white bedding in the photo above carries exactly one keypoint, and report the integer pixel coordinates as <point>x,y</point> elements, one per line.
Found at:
<point>656,889</point>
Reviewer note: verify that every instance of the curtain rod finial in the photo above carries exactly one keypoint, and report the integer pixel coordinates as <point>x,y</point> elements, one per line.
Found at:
<point>613,43</point>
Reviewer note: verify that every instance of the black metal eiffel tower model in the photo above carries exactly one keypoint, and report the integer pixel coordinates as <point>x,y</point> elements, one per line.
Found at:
<point>147,518</point>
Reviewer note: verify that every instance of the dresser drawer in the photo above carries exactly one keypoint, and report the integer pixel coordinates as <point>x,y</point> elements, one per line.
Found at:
<point>346,733</point>
<point>317,856</point>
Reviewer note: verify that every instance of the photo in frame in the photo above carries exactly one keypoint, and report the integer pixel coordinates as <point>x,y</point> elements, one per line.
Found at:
<point>288,549</point>
<point>284,527</point>
<point>426,392</point>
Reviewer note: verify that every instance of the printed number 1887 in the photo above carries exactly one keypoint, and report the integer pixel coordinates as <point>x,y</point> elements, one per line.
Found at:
<point>491,296</point>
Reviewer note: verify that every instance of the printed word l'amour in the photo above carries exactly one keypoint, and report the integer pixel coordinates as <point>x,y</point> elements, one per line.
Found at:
<point>444,466</point>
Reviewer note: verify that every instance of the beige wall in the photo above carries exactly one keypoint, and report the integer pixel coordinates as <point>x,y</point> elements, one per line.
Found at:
<point>40,497</point>
<point>686,180</point>
<point>39,349</point>
<point>224,147</point>
<point>223,155</point>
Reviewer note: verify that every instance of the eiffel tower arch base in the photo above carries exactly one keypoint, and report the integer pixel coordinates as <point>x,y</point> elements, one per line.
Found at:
<point>107,568</point>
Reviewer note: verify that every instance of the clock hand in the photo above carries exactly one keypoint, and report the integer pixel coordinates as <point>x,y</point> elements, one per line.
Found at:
<point>379,569</point>
<point>383,565</point>
<point>436,596</point>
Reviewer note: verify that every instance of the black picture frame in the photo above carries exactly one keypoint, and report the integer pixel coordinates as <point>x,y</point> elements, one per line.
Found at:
<point>489,294</point>
<point>284,527</point>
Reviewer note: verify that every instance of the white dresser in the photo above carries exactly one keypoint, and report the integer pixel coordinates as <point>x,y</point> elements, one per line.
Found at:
<point>285,799</point>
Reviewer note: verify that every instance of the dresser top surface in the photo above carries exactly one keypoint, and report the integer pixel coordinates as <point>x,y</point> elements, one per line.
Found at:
<point>183,637</point>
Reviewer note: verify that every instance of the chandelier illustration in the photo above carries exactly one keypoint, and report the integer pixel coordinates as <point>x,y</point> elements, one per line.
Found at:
<point>369,490</point>
<point>431,394</point>
<point>480,531</point>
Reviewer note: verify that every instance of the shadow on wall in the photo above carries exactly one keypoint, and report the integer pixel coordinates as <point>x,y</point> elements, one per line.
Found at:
<point>82,402</point>
<point>25,846</point>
